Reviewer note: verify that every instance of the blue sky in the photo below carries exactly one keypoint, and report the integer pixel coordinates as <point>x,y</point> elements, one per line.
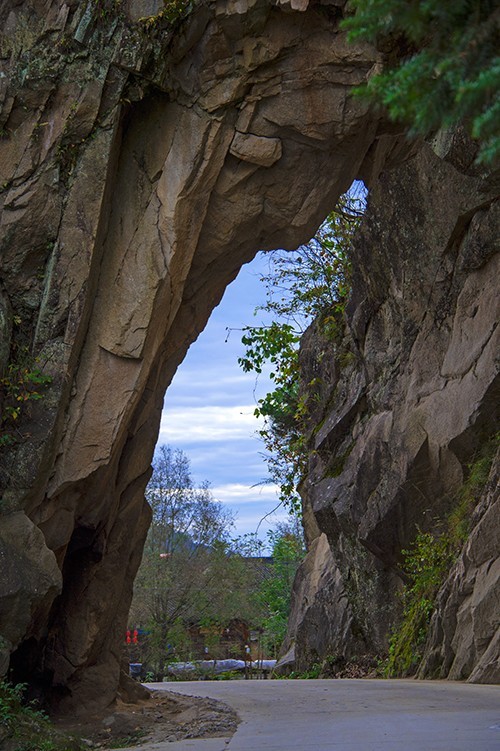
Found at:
<point>208,409</point>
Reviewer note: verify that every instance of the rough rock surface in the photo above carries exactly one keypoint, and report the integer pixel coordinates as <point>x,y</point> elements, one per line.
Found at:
<point>403,405</point>
<point>321,615</point>
<point>139,169</point>
<point>464,639</point>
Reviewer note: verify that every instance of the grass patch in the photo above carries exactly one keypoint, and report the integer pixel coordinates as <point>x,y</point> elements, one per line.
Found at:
<point>130,740</point>
<point>314,671</point>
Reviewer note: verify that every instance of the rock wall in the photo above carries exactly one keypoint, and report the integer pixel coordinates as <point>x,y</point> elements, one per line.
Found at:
<point>406,398</point>
<point>141,166</point>
<point>464,638</point>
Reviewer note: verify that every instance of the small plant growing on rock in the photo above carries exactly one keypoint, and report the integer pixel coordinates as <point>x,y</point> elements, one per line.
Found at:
<point>427,561</point>
<point>172,11</point>
<point>459,520</point>
<point>23,383</point>
<point>25,728</point>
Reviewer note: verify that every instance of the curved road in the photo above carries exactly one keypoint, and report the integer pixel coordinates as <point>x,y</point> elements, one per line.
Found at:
<point>350,715</point>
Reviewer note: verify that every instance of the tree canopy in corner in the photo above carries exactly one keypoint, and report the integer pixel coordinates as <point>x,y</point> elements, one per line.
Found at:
<point>442,64</point>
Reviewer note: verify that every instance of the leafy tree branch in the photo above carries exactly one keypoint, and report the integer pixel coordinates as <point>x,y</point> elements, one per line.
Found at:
<point>311,283</point>
<point>450,67</point>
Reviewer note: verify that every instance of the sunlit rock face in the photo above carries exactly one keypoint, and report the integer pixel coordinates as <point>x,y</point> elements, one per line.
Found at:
<point>140,168</point>
<point>406,399</point>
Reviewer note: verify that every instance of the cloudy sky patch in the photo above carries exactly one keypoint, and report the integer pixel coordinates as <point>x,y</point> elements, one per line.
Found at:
<point>251,506</point>
<point>239,494</point>
<point>207,423</point>
<point>209,409</point>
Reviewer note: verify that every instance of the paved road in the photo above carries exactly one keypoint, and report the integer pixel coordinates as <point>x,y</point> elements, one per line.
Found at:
<point>350,715</point>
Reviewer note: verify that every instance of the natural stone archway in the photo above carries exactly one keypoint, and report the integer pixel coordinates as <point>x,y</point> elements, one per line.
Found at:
<point>140,170</point>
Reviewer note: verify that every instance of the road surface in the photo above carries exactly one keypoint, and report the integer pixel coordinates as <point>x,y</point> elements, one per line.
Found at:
<point>349,715</point>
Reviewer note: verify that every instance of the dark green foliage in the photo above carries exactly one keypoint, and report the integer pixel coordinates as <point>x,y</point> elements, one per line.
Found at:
<point>25,728</point>
<point>450,67</point>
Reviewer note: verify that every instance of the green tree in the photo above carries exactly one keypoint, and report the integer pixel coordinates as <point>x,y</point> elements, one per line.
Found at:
<point>274,593</point>
<point>310,283</point>
<point>183,515</point>
<point>179,578</point>
<point>442,64</point>
<point>269,580</point>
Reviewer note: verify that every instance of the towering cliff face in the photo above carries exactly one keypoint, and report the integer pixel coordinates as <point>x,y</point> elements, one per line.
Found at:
<point>140,168</point>
<point>403,405</point>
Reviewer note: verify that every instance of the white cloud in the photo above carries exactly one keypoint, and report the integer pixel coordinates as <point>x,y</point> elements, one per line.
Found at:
<point>236,494</point>
<point>194,424</point>
<point>192,379</point>
<point>216,383</point>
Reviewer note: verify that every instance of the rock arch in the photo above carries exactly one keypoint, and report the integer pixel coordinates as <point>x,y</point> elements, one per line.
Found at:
<point>140,171</point>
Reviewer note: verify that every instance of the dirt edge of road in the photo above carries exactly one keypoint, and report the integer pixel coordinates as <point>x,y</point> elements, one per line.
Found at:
<point>165,716</point>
